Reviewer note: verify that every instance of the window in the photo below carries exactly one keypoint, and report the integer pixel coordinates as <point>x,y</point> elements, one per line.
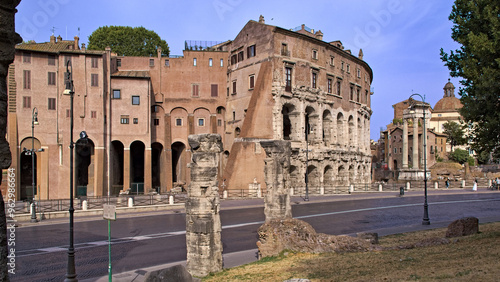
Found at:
<point>395,150</point>
<point>342,65</point>
<point>251,81</point>
<point>348,68</point>
<point>358,71</point>
<point>118,63</point>
<point>210,62</point>
<point>94,79</point>
<point>94,62</point>
<point>234,115</point>
<point>315,54</point>
<point>155,109</point>
<point>214,90</point>
<point>51,78</point>
<point>284,50</point>
<point>219,122</point>
<point>116,94</point>
<point>233,59</point>
<point>26,79</point>
<point>151,62</point>
<point>234,87</point>
<point>52,103</point>
<point>366,96</point>
<point>314,79</point>
<point>124,119</point>
<point>329,86</point>
<point>196,90</point>
<point>27,102</point>
<point>93,114</point>
<point>51,60</point>
<point>351,93</point>
<point>251,51</point>
<point>357,95</point>
<point>167,63</point>
<point>288,79</point>
<point>136,100</point>
<point>68,113</point>
<point>178,122</point>
<point>156,121</point>
<point>221,62</point>
<point>194,62</point>
<point>201,122</point>
<point>136,120</point>
<point>332,61</point>
<point>240,56</point>
<point>26,57</point>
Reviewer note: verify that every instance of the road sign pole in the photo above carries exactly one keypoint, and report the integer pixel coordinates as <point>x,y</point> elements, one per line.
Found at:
<point>109,251</point>
<point>109,213</point>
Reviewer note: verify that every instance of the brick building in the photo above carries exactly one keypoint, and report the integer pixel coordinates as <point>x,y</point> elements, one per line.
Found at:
<point>268,83</point>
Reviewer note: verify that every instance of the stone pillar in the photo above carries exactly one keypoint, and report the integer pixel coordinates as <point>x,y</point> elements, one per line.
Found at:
<point>203,226</point>
<point>277,175</point>
<point>415,143</point>
<point>8,40</point>
<point>405,143</point>
<point>126,169</point>
<point>148,178</point>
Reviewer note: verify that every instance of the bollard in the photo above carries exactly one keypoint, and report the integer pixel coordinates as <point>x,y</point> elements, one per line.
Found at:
<point>130,202</point>
<point>436,185</point>
<point>351,188</point>
<point>291,191</point>
<point>171,200</point>
<point>408,185</point>
<point>463,183</point>
<point>401,191</point>
<point>84,205</point>
<point>380,187</point>
<point>322,190</point>
<point>224,195</point>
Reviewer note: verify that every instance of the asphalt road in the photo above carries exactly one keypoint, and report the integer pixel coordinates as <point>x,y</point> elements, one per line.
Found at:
<point>139,242</point>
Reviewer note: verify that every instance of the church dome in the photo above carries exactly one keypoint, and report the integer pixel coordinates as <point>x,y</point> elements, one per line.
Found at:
<point>449,103</point>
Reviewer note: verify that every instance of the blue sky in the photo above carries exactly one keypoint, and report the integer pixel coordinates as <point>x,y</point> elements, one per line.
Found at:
<point>400,38</point>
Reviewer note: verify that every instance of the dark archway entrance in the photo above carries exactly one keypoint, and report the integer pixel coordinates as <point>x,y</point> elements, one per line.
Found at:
<point>156,165</point>
<point>116,167</point>
<point>178,152</point>
<point>137,149</point>
<point>27,171</point>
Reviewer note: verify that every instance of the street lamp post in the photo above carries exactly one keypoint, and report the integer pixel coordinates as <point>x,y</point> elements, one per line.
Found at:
<point>34,120</point>
<point>425,220</point>
<point>71,271</point>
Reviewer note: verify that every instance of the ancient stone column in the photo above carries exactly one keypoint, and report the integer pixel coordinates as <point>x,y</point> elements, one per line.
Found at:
<point>277,175</point>
<point>405,143</point>
<point>415,143</point>
<point>8,39</point>
<point>203,226</point>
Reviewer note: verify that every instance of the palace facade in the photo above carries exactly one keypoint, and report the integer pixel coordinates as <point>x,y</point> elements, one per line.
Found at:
<point>267,83</point>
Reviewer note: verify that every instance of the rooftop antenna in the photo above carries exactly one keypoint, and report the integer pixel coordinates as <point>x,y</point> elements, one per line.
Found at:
<point>78,31</point>
<point>53,29</point>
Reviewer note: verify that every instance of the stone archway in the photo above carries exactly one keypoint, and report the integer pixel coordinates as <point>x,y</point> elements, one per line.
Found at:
<point>116,173</point>
<point>178,163</point>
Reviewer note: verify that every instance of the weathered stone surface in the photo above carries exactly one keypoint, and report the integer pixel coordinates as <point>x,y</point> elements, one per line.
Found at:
<point>203,226</point>
<point>463,227</point>
<point>177,273</point>
<point>292,234</point>
<point>277,175</point>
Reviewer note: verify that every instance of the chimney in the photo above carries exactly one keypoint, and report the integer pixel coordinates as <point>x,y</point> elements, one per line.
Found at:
<point>360,54</point>
<point>77,45</point>
<point>83,47</point>
<point>52,39</point>
<point>59,39</point>
<point>261,19</point>
<point>158,51</point>
<point>319,35</point>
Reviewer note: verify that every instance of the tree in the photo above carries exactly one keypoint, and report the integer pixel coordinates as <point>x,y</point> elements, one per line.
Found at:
<point>127,41</point>
<point>460,156</point>
<point>477,61</point>
<point>454,134</point>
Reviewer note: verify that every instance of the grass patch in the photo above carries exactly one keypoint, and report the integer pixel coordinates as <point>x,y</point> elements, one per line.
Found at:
<point>472,258</point>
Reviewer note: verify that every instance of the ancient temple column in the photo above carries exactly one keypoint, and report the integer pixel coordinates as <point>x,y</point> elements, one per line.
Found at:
<point>405,143</point>
<point>277,175</point>
<point>415,143</point>
<point>203,226</point>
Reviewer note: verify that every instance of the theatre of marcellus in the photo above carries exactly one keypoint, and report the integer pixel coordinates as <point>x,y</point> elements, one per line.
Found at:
<point>269,83</point>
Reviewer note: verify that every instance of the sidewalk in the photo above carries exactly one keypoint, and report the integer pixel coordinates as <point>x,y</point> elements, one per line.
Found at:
<point>248,256</point>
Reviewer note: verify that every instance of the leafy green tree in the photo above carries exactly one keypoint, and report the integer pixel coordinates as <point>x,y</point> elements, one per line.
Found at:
<point>127,41</point>
<point>476,28</point>
<point>459,156</point>
<point>454,134</point>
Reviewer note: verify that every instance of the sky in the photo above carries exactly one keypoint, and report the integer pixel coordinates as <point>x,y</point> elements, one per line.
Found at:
<point>400,39</point>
